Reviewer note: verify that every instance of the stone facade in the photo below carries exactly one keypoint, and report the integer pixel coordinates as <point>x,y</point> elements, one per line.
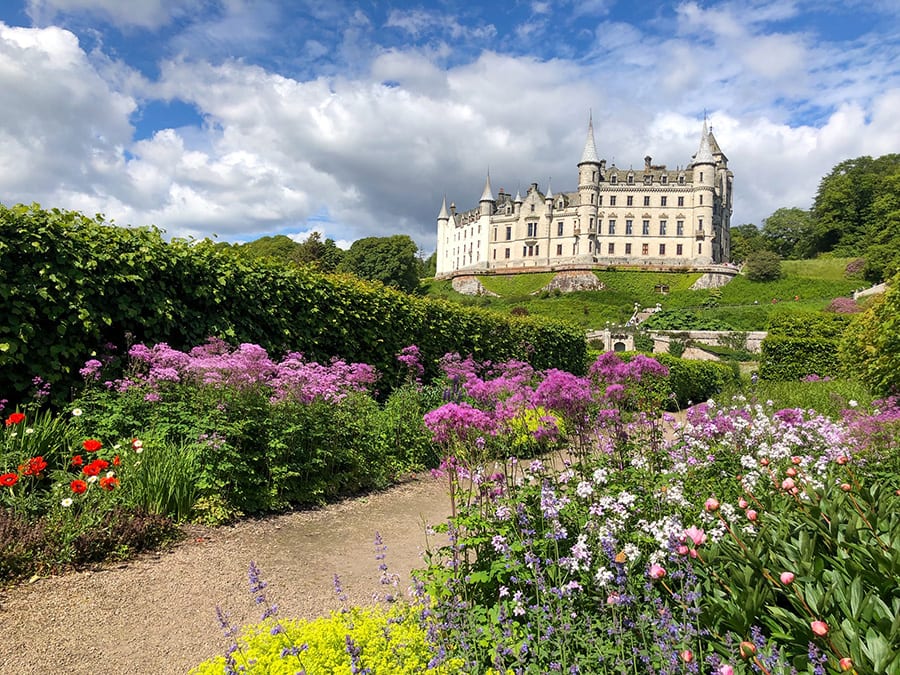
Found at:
<point>654,217</point>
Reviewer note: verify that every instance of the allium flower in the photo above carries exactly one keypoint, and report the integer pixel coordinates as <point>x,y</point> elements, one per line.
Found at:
<point>820,628</point>
<point>657,571</point>
<point>787,578</point>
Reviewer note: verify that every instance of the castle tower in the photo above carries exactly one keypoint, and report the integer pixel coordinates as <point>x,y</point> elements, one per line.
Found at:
<point>486,203</point>
<point>704,167</point>
<point>588,192</point>
<point>443,240</point>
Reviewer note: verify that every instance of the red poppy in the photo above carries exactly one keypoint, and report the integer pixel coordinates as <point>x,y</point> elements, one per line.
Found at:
<point>15,418</point>
<point>77,460</point>
<point>109,482</point>
<point>34,466</point>
<point>95,467</point>
<point>116,461</point>
<point>92,445</point>
<point>78,486</point>
<point>9,479</point>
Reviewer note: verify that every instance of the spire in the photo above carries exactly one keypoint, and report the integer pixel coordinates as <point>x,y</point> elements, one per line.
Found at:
<point>444,215</point>
<point>487,195</point>
<point>590,148</point>
<point>704,154</point>
<point>518,198</point>
<point>549,189</point>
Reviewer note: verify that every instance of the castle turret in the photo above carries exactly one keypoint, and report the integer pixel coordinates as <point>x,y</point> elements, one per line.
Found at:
<point>588,191</point>
<point>486,203</point>
<point>517,203</point>
<point>704,167</point>
<point>443,239</point>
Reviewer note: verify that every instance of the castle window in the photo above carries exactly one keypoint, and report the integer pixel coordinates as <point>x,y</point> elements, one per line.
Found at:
<point>524,251</point>
<point>495,234</point>
<point>508,233</point>
<point>532,229</point>
<point>628,249</point>
<point>559,229</point>
<point>646,200</point>
<point>614,179</point>
<point>701,199</point>
<point>611,249</point>
<point>662,249</point>
<point>612,226</point>
<point>645,249</point>
<point>532,208</point>
<point>629,226</point>
<point>631,179</point>
<point>537,249</point>
<point>700,224</point>
<point>599,200</point>
<point>645,227</point>
<point>495,254</point>
<point>559,249</point>
<point>590,246</point>
<point>592,198</point>
<point>679,249</point>
<point>629,200</point>
<point>679,227</point>
<point>701,176</point>
<point>506,254</point>
<point>681,179</point>
<point>612,200</point>
<point>574,249</point>
<point>593,176</point>
<point>662,227</point>
<point>560,204</point>
<point>664,180</point>
<point>681,201</point>
<point>699,248</point>
<point>663,201</point>
<point>648,180</point>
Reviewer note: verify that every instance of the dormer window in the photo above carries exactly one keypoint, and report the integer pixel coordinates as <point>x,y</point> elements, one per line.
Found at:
<point>664,180</point>
<point>631,179</point>
<point>613,179</point>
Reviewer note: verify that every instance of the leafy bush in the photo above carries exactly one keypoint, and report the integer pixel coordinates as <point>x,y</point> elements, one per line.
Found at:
<point>763,266</point>
<point>843,306</point>
<point>801,344</point>
<point>695,381</point>
<point>870,349</point>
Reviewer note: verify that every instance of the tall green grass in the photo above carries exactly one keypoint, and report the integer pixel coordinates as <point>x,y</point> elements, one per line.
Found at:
<point>163,480</point>
<point>828,397</point>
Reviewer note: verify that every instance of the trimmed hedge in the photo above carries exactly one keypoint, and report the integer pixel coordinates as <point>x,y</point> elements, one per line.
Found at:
<point>696,381</point>
<point>71,285</point>
<point>801,344</point>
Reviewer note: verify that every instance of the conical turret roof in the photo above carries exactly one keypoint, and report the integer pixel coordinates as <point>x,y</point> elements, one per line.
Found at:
<point>487,195</point>
<point>444,214</point>
<point>590,148</point>
<point>704,154</point>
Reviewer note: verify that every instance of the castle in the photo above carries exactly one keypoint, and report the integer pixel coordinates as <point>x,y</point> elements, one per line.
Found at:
<point>656,217</point>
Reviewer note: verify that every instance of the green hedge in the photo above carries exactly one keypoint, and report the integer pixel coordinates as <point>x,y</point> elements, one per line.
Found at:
<point>71,284</point>
<point>696,381</point>
<point>801,344</point>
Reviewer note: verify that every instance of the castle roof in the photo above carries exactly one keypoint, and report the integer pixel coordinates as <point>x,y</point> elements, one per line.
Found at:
<point>589,155</point>
<point>444,215</point>
<point>704,154</point>
<point>487,195</point>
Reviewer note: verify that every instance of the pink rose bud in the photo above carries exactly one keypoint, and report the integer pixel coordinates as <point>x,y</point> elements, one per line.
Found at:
<point>657,571</point>
<point>682,550</point>
<point>820,628</point>
<point>726,669</point>
<point>846,487</point>
<point>843,459</point>
<point>787,578</point>
<point>711,504</point>
<point>687,656</point>
<point>795,491</point>
<point>791,472</point>
<point>787,484</point>
<point>751,515</point>
<point>846,663</point>
<point>764,462</point>
<point>796,460</point>
<point>747,649</point>
<point>743,503</point>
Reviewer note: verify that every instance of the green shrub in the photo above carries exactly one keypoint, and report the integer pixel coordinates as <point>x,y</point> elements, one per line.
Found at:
<point>870,348</point>
<point>763,266</point>
<point>801,344</point>
<point>695,381</point>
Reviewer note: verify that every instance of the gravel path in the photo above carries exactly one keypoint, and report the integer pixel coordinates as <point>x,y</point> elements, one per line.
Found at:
<point>157,614</point>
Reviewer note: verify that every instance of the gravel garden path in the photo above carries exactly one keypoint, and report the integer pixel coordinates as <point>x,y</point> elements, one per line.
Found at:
<point>157,614</point>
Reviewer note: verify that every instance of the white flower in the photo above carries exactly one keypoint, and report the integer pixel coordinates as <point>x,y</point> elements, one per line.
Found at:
<point>584,490</point>
<point>110,474</point>
<point>139,450</point>
<point>29,430</point>
<point>76,412</point>
<point>67,502</point>
<point>93,479</point>
<point>603,577</point>
<point>852,403</point>
<point>599,476</point>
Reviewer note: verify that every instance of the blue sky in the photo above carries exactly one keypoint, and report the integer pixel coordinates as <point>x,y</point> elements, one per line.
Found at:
<point>239,118</point>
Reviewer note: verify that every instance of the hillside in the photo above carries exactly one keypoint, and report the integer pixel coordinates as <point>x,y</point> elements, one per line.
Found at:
<point>742,304</point>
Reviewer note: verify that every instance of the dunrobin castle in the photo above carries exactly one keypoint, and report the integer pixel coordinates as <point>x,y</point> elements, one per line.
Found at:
<point>654,217</point>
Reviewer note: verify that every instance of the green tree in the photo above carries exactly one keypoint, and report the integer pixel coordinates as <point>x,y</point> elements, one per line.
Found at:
<point>844,210</point>
<point>323,255</point>
<point>279,247</point>
<point>790,233</point>
<point>763,266</point>
<point>429,266</point>
<point>870,349</point>
<point>745,239</point>
<point>391,260</point>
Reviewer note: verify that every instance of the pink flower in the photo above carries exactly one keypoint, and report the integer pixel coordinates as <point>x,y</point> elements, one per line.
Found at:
<point>791,472</point>
<point>682,550</point>
<point>696,535</point>
<point>843,459</point>
<point>820,628</point>
<point>726,669</point>
<point>657,571</point>
<point>846,663</point>
<point>751,515</point>
<point>787,578</point>
<point>687,655</point>
<point>743,503</point>
<point>787,484</point>
<point>796,460</point>
<point>711,504</point>
<point>764,462</point>
<point>846,487</point>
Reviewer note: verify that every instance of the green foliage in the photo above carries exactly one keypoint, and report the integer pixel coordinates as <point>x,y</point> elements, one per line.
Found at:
<point>801,344</point>
<point>71,285</point>
<point>745,240</point>
<point>643,342</point>
<point>390,641</point>
<point>789,232</point>
<point>828,397</point>
<point>163,480</point>
<point>763,266</point>
<point>516,285</point>
<point>389,260</point>
<point>695,381</point>
<point>870,348</point>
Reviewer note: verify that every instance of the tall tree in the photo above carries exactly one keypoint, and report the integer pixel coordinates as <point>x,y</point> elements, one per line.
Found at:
<point>745,239</point>
<point>390,260</point>
<point>324,255</point>
<point>790,233</point>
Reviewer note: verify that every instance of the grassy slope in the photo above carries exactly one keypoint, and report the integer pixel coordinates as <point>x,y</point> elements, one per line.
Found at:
<point>742,305</point>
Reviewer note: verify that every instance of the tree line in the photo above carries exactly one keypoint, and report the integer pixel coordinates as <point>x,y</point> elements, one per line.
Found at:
<point>855,213</point>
